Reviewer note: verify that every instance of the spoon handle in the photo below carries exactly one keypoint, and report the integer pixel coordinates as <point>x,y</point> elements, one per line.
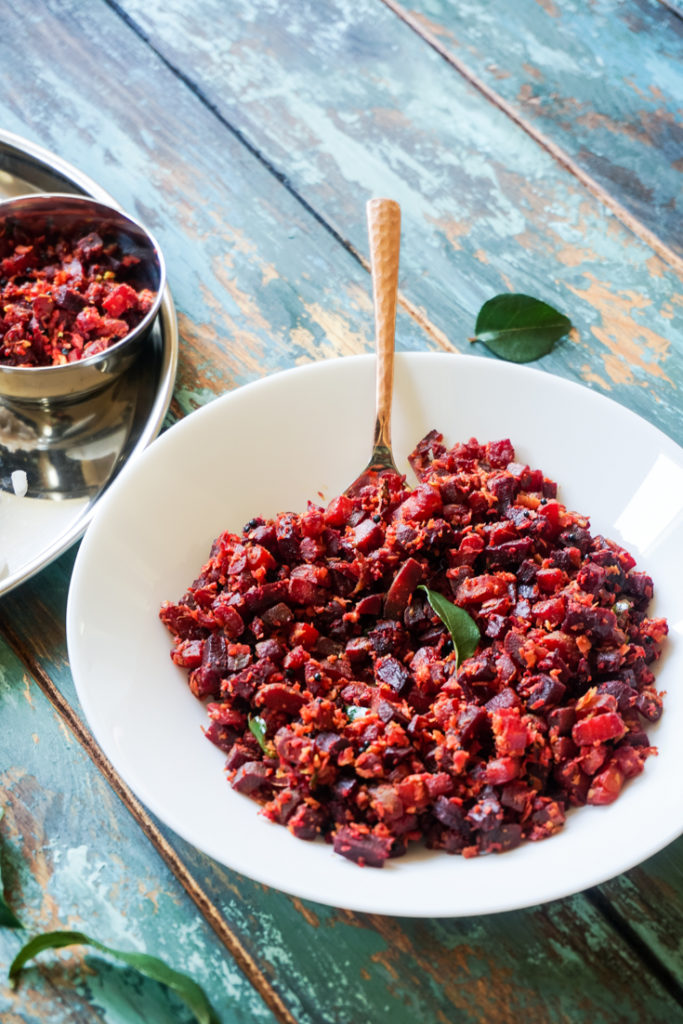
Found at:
<point>384,233</point>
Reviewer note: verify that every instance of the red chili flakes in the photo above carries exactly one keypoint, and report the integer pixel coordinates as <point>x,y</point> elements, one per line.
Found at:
<point>333,685</point>
<point>62,299</point>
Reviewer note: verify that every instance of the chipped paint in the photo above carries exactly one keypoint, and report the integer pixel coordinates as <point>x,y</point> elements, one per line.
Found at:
<point>629,343</point>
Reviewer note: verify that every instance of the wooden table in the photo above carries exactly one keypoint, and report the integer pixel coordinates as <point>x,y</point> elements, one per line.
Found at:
<point>534,147</point>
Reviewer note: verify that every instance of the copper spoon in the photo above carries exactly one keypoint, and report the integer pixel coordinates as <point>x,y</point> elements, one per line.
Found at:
<point>384,233</point>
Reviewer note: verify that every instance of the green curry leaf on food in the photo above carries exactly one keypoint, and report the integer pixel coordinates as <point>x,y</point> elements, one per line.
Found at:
<point>464,631</point>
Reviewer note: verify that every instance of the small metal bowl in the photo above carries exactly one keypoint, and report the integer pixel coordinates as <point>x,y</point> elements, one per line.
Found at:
<point>72,217</point>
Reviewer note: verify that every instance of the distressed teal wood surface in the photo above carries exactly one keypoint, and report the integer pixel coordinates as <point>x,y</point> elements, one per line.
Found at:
<point>74,858</point>
<point>263,278</point>
<point>484,208</point>
<point>602,80</point>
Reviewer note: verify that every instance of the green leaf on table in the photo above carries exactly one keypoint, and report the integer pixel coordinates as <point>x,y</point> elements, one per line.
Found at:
<point>519,328</point>
<point>464,631</point>
<point>8,919</point>
<point>186,988</point>
<point>257,727</point>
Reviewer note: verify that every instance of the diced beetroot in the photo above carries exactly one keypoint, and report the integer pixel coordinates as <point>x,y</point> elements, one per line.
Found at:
<point>478,589</point>
<point>181,621</point>
<point>598,729</point>
<point>487,813</point>
<point>312,523</point>
<point>308,585</point>
<point>449,811</point>
<point>517,796</point>
<point>473,723</point>
<point>239,754</point>
<point>561,720</point>
<point>401,589</point>
<point>365,848</point>
<point>591,759</point>
<point>421,504</point>
<point>338,511</point>
<point>501,770</point>
<point>392,673</point>
<point>188,653</point>
<point>606,786</point>
<point>505,698</point>
<point>509,731</point>
<point>280,697</point>
<point>499,453</point>
<point>120,300</point>
<point>550,612</point>
<point>649,705</point>
<point>549,580</point>
<point>509,554</point>
<point>251,777</point>
<point>224,714</point>
<point>545,693</point>
<point>550,512</point>
<point>367,536</point>
<point>302,634</point>
<point>599,623</point>
<point>206,679</point>
<point>628,761</point>
<point>221,736</point>
<point>306,822</point>
<point>505,836</point>
<point>264,596</point>
<point>287,537</point>
<point>595,703</point>
<point>370,605</point>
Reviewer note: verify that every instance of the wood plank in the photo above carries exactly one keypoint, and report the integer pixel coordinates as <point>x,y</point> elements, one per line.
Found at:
<point>485,209</point>
<point>312,952</point>
<point>73,858</point>
<point>601,80</point>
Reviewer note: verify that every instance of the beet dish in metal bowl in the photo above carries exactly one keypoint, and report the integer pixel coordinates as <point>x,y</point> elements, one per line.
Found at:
<point>80,287</point>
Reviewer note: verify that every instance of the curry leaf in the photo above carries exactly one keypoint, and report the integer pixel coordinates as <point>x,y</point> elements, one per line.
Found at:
<point>186,988</point>
<point>257,727</point>
<point>518,327</point>
<point>462,627</point>
<point>8,919</point>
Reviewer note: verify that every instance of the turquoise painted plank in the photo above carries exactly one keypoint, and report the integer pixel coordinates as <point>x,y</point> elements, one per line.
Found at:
<point>259,284</point>
<point>73,858</point>
<point>485,209</point>
<point>602,80</point>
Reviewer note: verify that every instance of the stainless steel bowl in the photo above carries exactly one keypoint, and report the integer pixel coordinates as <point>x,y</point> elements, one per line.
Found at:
<point>72,217</point>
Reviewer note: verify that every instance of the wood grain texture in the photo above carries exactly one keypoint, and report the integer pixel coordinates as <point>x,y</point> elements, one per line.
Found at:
<point>251,163</point>
<point>602,80</point>
<point>74,858</point>
<point>484,208</point>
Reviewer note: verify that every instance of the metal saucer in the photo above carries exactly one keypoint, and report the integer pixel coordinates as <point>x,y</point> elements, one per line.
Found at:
<point>71,453</point>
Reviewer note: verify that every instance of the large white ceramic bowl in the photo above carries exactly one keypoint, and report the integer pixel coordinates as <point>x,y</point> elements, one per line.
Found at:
<point>306,433</point>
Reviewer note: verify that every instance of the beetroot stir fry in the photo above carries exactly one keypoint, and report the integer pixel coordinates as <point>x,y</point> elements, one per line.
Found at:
<point>62,299</point>
<point>335,690</point>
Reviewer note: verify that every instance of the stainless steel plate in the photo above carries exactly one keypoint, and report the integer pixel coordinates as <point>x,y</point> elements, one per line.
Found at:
<point>70,454</point>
